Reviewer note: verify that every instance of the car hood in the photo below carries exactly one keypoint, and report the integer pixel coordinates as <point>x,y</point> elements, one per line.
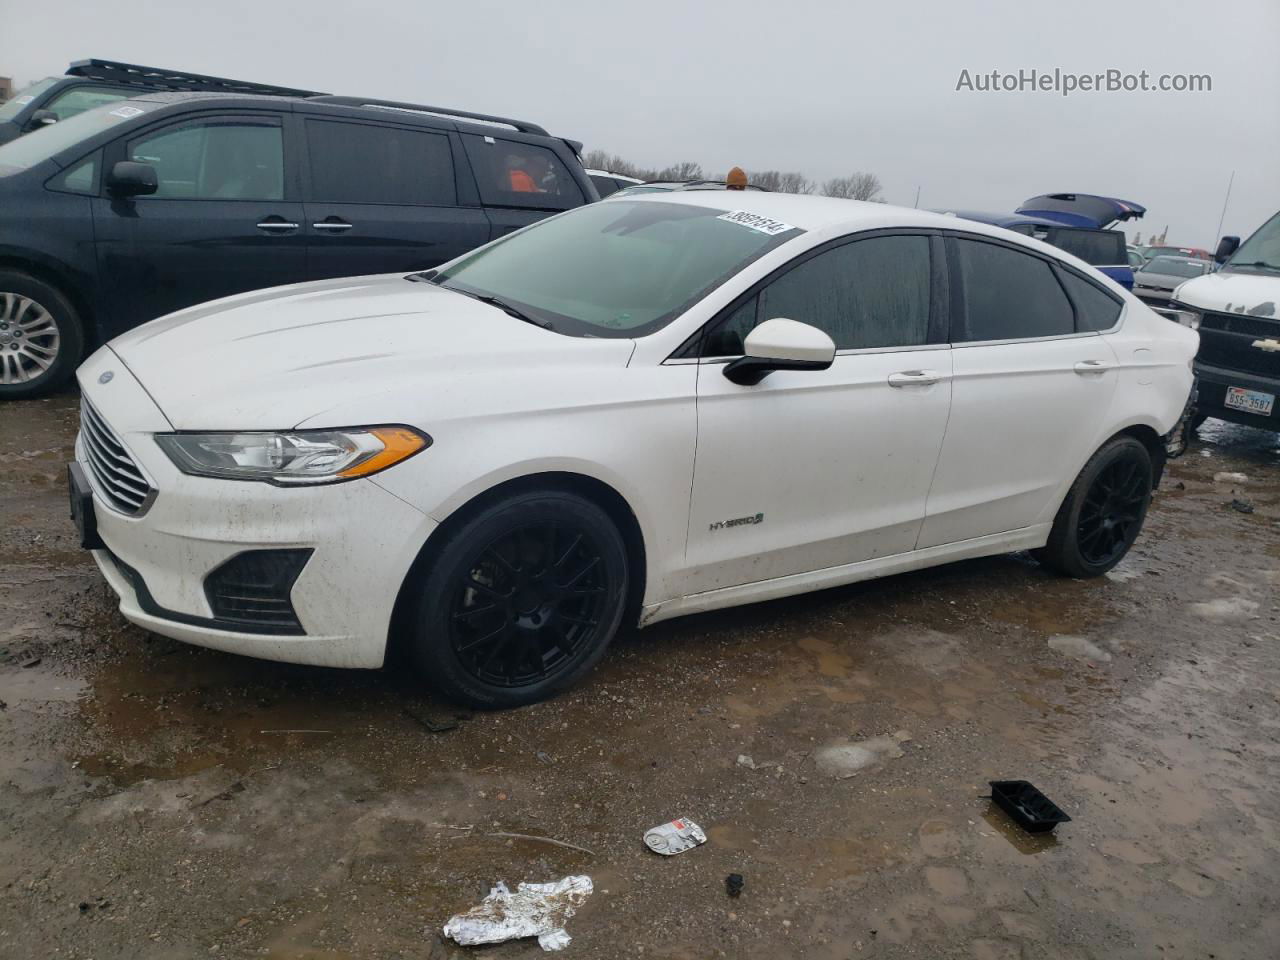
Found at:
<point>1253,294</point>
<point>274,358</point>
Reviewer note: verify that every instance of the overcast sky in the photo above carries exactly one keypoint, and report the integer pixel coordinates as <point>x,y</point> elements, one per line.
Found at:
<point>825,88</point>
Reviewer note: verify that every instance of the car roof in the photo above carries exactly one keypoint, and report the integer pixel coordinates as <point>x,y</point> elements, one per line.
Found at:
<point>461,122</point>
<point>806,211</point>
<point>1006,220</point>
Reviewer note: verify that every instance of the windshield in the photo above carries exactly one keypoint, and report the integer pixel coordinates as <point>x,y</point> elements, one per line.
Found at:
<point>39,145</point>
<point>617,269</point>
<point>1175,267</point>
<point>1261,251</point>
<point>11,108</point>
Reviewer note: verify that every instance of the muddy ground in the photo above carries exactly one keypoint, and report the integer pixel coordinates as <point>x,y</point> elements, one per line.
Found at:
<point>161,801</point>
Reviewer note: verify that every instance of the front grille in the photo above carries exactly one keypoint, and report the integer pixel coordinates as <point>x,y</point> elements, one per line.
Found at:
<point>115,474</point>
<point>1226,341</point>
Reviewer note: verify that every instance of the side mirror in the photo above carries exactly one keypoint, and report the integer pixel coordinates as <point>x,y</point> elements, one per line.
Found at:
<point>131,179</point>
<point>41,118</point>
<point>780,344</point>
<point>1226,247</point>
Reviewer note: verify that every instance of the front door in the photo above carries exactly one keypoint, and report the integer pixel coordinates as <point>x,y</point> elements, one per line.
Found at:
<point>815,469</point>
<point>220,222</point>
<point>1030,385</point>
<point>382,198</point>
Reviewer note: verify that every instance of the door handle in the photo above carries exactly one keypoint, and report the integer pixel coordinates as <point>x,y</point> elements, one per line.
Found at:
<point>332,225</point>
<point>1087,367</point>
<point>914,378</point>
<point>277,226</point>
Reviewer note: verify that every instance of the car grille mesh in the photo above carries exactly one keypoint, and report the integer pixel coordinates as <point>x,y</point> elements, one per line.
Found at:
<point>118,478</point>
<point>1227,341</point>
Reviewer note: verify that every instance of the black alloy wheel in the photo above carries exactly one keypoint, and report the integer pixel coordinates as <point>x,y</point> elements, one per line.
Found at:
<point>520,599</point>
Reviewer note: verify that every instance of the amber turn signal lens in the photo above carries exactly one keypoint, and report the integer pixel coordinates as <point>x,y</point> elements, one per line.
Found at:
<point>398,443</point>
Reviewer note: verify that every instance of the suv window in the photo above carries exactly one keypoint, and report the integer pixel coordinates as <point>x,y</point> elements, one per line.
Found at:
<point>375,163</point>
<point>1008,295</point>
<point>868,293</point>
<point>1098,248</point>
<point>79,99</point>
<point>216,159</point>
<point>1095,308</point>
<point>514,174</point>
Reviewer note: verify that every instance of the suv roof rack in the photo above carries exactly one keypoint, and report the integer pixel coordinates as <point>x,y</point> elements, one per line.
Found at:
<point>158,77</point>
<point>523,126</point>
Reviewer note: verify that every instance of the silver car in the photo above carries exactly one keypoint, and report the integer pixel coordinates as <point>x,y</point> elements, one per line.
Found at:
<point>1156,281</point>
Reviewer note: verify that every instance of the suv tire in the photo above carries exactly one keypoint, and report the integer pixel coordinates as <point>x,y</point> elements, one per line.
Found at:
<point>41,337</point>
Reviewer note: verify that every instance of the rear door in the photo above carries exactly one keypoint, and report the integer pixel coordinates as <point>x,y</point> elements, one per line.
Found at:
<point>814,469</point>
<point>224,220</point>
<point>520,183</point>
<point>383,198</point>
<point>1030,385</point>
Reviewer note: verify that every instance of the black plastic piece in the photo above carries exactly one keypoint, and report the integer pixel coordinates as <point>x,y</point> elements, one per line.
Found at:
<point>252,589</point>
<point>523,126</point>
<point>1026,806</point>
<point>158,78</point>
<point>83,515</point>
<point>733,884</point>
<point>748,371</point>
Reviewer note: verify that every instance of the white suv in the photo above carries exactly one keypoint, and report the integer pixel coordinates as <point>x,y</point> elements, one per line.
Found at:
<point>628,412</point>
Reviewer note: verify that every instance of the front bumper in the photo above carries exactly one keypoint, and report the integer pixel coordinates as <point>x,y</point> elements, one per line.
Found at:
<point>362,539</point>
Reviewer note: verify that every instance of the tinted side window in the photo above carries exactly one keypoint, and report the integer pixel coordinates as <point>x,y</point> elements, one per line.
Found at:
<point>1095,308</point>
<point>514,174</point>
<point>215,160</point>
<point>79,99</point>
<point>604,185</point>
<point>1008,295</point>
<point>1095,247</point>
<point>371,163</point>
<point>869,293</point>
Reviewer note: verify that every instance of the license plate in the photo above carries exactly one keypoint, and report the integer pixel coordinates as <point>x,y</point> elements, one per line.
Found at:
<point>1250,401</point>
<point>82,513</point>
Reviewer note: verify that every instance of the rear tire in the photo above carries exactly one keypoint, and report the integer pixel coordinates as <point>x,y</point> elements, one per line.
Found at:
<point>41,337</point>
<point>520,601</point>
<point>1103,511</point>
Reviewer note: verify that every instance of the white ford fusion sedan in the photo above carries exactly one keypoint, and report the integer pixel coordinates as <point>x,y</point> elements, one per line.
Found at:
<point>631,411</point>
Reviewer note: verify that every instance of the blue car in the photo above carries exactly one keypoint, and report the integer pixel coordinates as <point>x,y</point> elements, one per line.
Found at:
<point>1075,222</point>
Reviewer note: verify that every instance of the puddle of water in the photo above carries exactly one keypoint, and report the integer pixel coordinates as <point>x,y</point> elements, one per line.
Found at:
<point>1028,844</point>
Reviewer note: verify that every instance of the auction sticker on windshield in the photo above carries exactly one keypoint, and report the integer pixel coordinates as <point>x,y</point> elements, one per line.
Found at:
<point>126,112</point>
<point>756,222</point>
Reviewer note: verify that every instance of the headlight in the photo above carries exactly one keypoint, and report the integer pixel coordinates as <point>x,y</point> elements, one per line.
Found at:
<point>293,457</point>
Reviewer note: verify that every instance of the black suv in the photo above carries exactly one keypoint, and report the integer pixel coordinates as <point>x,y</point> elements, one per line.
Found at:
<point>91,83</point>
<point>133,210</point>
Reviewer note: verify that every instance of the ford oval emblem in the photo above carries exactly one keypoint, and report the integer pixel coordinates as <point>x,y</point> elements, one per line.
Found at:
<point>106,377</point>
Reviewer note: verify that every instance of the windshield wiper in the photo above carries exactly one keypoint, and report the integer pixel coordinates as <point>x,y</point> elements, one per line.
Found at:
<point>1262,264</point>
<point>510,310</point>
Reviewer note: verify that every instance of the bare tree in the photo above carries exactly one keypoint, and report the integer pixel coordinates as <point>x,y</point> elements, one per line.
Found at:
<point>781,181</point>
<point>858,186</point>
<point>685,170</point>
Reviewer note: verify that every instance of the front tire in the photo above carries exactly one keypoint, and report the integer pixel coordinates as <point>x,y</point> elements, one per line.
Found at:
<point>41,337</point>
<point>520,601</point>
<point>1103,511</point>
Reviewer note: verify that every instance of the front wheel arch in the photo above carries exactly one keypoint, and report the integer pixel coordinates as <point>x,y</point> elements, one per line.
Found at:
<point>589,488</point>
